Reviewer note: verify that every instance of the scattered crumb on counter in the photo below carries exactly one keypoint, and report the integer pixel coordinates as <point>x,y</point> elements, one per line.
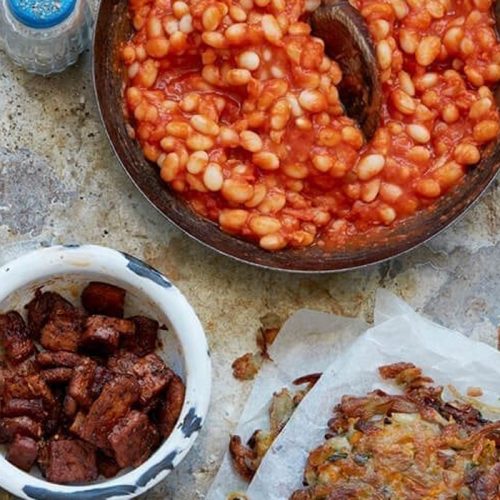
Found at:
<point>474,392</point>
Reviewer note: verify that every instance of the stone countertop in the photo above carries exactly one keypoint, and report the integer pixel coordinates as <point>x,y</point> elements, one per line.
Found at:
<point>60,183</point>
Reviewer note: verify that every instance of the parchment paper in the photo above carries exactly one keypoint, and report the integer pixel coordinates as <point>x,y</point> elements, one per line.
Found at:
<point>399,334</point>
<point>306,344</point>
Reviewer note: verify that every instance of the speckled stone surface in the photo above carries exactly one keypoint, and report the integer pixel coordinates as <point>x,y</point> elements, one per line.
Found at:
<point>59,182</point>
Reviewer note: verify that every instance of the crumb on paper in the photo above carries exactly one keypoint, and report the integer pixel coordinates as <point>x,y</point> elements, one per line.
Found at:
<point>247,366</point>
<point>474,392</point>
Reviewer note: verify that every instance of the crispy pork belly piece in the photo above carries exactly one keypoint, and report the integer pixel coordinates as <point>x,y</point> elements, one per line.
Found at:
<point>70,407</point>
<point>14,337</point>
<point>59,375</point>
<point>107,466</point>
<point>102,334</point>
<point>24,426</point>
<point>63,330</point>
<point>152,376</point>
<point>23,452</point>
<point>115,401</point>
<point>122,362</point>
<point>49,359</point>
<point>101,377</point>
<point>68,461</point>
<point>16,407</point>
<point>102,298</point>
<point>171,406</point>
<point>133,439</point>
<point>146,336</point>
<point>82,382</point>
<point>30,386</point>
<point>41,308</point>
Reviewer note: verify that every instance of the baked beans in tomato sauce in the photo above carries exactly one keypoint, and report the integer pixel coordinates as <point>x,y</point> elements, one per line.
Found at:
<point>237,104</point>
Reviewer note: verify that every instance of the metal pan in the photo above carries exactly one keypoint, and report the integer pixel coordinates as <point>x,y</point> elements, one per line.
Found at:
<point>112,28</point>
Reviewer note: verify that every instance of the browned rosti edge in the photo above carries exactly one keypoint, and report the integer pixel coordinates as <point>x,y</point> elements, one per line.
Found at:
<point>247,458</point>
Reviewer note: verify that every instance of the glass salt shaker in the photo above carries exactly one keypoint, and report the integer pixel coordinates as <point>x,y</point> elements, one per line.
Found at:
<point>45,36</point>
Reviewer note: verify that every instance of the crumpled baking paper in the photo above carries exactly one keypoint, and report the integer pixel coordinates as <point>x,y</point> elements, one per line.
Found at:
<point>306,344</point>
<point>352,361</point>
<point>399,334</point>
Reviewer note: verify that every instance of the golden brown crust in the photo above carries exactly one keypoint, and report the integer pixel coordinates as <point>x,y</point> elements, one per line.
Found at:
<point>409,446</point>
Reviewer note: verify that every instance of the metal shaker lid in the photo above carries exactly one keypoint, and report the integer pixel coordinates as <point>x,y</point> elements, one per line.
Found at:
<point>41,13</point>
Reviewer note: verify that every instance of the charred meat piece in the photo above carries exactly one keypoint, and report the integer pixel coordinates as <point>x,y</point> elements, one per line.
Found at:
<point>107,466</point>
<point>82,381</point>
<point>123,362</point>
<point>60,375</point>
<point>102,298</point>
<point>70,406</point>
<point>24,426</point>
<point>27,387</point>
<point>23,452</point>
<point>16,407</point>
<point>66,359</point>
<point>41,308</point>
<point>15,337</point>
<point>63,330</point>
<point>68,461</point>
<point>102,334</point>
<point>152,376</point>
<point>101,378</point>
<point>115,401</point>
<point>133,439</point>
<point>146,336</point>
<point>172,406</point>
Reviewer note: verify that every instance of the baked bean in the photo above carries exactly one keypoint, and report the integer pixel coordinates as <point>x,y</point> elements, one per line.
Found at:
<point>428,50</point>
<point>295,170</point>
<point>197,162</point>
<point>170,167</point>
<point>406,83</point>
<point>418,133</point>
<point>273,242</point>
<point>450,113</point>
<point>486,131</point>
<point>384,54</point>
<point>266,160</point>
<point>403,102</point>
<point>466,154</point>
<point>233,218</point>
<point>179,129</point>
<point>212,177</point>
<point>259,193</point>
<point>199,142</point>
<point>313,100</point>
<point>263,225</point>
<point>408,40</point>
<point>236,77</point>
<point>480,108</point>
<point>250,141</point>
<point>387,214</point>
<point>428,188</point>
<point>370,190</point>
<point>370,165</point>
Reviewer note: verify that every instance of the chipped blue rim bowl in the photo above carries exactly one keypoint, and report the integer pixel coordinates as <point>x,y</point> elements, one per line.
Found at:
<point>48,265</point>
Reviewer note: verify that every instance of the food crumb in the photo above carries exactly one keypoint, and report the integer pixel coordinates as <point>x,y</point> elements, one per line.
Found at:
<point>247,366</point>
<point>474,392</point>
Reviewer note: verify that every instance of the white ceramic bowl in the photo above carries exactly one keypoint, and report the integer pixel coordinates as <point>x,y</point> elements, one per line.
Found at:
<point>67,269</point>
